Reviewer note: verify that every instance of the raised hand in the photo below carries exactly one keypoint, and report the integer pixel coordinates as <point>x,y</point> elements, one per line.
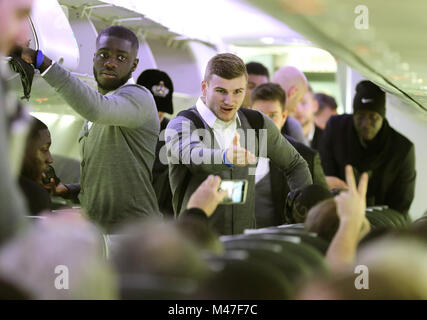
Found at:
<point>29,55</point>
<point>53,188</point>
<point>207,196</point>
<point>335,183</point>
<point>237,155</point>
<point>351,204</point>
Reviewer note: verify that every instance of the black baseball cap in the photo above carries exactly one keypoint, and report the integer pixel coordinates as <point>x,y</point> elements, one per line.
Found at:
<point>161,87</point>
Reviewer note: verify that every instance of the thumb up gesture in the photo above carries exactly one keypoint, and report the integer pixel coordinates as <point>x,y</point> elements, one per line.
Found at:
<point>237,155</point>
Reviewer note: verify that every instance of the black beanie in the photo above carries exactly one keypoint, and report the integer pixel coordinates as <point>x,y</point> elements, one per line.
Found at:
<point>161,86</point>
<point>369,97</point>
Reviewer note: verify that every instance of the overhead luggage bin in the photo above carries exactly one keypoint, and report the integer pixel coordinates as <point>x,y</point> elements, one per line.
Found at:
<point>52,33</point>
<point>85,34</point>
<point>185,62</point>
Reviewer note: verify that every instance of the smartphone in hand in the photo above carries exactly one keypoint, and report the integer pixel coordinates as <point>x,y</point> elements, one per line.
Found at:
<point>236,189</point>
<point>50,173</point>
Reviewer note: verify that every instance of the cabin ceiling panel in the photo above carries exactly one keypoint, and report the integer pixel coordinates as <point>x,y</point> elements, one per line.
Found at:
<point>385,41</point>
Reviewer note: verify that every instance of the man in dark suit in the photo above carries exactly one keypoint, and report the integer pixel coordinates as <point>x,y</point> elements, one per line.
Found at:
<point>271,189</point>
<point>304,113</point>
<point>327,108</point>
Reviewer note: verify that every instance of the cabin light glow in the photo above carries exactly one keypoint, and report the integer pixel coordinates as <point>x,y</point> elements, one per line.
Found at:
<point>267,40</point>
<point>66,120</point>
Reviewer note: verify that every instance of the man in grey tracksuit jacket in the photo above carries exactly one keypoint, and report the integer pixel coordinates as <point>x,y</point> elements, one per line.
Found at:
<point>119,138</point>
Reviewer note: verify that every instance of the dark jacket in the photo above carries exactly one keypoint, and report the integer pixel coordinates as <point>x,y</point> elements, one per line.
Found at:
<point>279,185</point>
<point>161,174</point>
<point>389,160</point>
<point>317,138</point>
<point>38,199</point>
<point>293,129</point>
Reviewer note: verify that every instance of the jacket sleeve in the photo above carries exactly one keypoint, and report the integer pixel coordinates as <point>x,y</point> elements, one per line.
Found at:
<point>401,194</point>
<point>184,146</point>
<point>284,156</point>
<point>130,106</point>
<point>193,213</point>
<point>73,192</point>
<point>330,167</point>
<point>318,174</point>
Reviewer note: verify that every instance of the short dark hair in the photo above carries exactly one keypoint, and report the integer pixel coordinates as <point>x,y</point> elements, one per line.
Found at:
<point>227,66</point>
<point>271,92</point>
<point>120,32</point>
<point>257,68</point>
<point>35,128</point>
<point>323,219</point>
<point>325,101</point>
<point>31,166</point>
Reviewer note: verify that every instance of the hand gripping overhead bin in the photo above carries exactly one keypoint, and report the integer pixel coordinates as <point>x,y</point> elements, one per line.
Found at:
<point>52,33</point>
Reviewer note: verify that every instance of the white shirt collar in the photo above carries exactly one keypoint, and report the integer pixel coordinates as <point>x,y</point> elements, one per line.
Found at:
<point>311,133</point>
<point>210,118</point>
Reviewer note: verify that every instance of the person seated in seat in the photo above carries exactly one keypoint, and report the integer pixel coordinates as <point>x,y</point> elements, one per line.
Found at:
<point>342,221</point>
<point>38,180</point>
<point>154,259</point>
<point>323,220</point>
<point>36,162</point>
<point>299,202</point>
<point>59,258</point>
<point>244,279</point>
<point>384,274</point>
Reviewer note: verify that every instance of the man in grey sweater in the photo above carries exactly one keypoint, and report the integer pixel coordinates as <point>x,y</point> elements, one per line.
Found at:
<point>192,159</point>
<point>119,138</point>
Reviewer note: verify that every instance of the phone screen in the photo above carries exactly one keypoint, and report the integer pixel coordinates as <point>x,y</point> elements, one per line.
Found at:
<point>236,190</point>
